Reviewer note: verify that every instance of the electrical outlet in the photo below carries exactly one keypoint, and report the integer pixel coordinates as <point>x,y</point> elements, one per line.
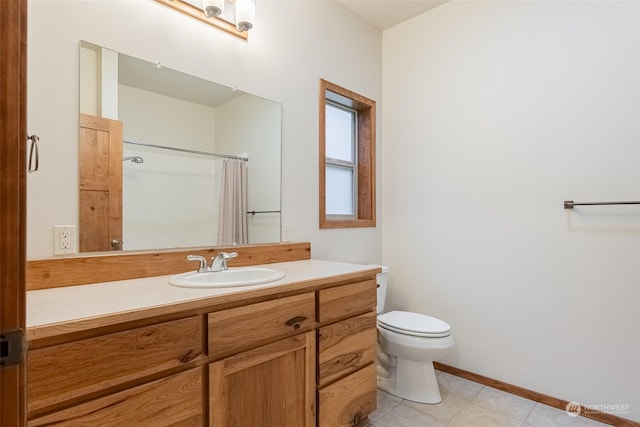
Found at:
<point>286,233</point>
<point>63,239</point>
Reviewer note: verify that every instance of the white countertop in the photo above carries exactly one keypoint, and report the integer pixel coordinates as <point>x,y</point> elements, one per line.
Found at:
<point>74,303</point>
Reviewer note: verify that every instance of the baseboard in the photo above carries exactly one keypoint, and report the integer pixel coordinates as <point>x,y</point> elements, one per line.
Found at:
<point>535,396</point>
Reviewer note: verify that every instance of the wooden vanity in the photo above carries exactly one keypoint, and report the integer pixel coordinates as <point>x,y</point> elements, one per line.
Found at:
<point>297,352</point>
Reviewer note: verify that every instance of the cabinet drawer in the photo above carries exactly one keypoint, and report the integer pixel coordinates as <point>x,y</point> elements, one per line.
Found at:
<point>67,371</point>
<point>347,300</point>
<point>176,400</point>
<point>241,328</point>
<point>347,402</point>
<point>346,346</point>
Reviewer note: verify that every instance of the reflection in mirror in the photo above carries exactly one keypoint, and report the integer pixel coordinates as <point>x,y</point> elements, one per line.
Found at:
<point>169,160</point>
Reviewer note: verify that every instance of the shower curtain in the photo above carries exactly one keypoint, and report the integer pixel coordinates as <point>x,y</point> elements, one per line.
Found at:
<point>232,218</point>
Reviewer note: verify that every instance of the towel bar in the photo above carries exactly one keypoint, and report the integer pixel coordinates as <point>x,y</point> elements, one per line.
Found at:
<point>569,204</point>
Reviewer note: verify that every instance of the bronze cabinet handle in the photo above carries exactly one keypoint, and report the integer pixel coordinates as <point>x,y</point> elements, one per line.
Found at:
<point>295,322</point>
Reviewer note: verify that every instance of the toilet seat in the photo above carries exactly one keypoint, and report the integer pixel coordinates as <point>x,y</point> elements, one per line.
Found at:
<point>414,324</point>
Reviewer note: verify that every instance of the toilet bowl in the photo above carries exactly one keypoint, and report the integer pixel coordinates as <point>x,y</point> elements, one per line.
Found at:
<point>408,344</point>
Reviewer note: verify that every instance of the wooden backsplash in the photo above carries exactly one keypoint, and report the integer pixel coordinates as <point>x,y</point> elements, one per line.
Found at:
<point>80,270</point>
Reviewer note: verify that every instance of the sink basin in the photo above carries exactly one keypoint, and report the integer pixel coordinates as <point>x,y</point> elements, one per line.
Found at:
<point>233,277</point>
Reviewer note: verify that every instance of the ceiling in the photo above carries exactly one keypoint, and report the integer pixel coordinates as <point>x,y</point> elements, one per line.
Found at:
<point>383,14</point>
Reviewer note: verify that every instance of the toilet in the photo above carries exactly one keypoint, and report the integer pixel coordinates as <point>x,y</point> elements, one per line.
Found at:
<point>408,343</point>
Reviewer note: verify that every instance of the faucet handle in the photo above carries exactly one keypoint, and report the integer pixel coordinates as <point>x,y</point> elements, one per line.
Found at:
<point>227,256</point>
<point>219,262</point>
<point>203,262</point>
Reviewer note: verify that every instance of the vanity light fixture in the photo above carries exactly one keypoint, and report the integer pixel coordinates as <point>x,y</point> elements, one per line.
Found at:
<point>245,14</point>
<point>213,8</point>
<point>236,17</point>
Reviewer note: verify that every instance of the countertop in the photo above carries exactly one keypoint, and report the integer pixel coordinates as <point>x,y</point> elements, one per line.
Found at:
<point>68,309</point>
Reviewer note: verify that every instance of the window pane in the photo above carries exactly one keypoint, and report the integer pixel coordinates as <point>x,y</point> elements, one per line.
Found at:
<point>339,133</point>
<point>339,191</point>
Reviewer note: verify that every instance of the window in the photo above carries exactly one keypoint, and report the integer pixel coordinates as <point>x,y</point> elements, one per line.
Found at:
<point>347,158</point>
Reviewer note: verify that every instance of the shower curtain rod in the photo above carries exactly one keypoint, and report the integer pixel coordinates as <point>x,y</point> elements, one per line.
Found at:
<point>184,150</point>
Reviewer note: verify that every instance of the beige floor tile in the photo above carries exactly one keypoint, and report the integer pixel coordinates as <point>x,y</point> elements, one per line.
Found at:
<point>445,410</point>
<point>476,416</point>
<point>468,404</point>
<point>386,402</point>
<point>547,416</point>
<point>459,387</point>
<point>504,403</point>
<point>405,416</point>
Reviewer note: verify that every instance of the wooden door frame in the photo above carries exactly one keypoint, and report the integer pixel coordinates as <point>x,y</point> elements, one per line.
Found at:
<point>13,142</point>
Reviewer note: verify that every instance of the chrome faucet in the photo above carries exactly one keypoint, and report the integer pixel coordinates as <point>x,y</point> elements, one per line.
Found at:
<point>219,262</point>
<point>203,262</point>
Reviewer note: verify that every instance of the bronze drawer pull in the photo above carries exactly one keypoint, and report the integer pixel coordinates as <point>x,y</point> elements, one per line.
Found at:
<point>295,322</point>
<point>188,356</point>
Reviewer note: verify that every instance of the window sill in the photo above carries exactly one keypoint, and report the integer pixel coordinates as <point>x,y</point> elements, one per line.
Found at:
<point>356,223</point>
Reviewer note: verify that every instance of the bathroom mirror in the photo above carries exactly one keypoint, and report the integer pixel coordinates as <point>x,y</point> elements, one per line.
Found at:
<point>176,131</point>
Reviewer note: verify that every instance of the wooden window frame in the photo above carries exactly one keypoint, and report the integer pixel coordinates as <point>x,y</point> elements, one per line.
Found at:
<point>366,155</point>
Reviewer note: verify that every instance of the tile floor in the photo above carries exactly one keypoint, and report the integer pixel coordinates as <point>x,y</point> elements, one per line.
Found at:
<point>467,403</point>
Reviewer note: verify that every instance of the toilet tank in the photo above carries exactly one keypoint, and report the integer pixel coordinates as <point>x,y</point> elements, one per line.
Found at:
<point>381,279</point>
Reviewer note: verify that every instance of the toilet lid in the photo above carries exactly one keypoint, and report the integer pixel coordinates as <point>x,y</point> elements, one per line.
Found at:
<point>415,324</point>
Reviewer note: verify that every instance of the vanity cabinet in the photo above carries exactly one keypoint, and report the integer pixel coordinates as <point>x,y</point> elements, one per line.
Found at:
<point>302,356</point>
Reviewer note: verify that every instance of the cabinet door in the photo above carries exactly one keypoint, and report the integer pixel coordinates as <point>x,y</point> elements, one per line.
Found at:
<point>271,386</point>
<point>172,401</point>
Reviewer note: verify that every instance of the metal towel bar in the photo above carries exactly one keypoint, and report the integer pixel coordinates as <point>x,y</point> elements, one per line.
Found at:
<point>261,212</point>
<point>569,204</point>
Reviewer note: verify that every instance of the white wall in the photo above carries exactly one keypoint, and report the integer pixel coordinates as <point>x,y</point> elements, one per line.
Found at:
<point>494,114</point>
<point>293,45</point>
